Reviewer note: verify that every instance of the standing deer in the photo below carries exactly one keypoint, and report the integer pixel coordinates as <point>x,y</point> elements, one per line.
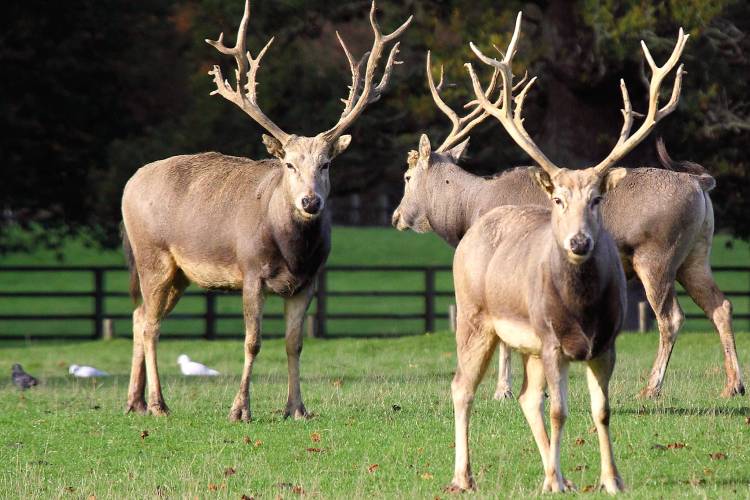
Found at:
<point>224,222</point>
<point>547,281</point>
<point>661,220</point>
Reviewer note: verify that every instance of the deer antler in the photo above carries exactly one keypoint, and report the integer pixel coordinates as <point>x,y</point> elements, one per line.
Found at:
<point>369,93</point>
<point>503,110</point>
<point>463,125</point>
<point>245,93</point>
<point>626,142</point>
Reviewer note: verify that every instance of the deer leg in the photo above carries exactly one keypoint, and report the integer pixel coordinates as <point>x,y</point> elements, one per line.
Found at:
<point>695,276</point>
<point>598,373</point>
<point>504,388</point>
<point>556,372</point>
<point>294,314</point>
<point>661,296</point>
<point>252,301</point>
<point>475,346</point>
<point>137,386</point>
<point>531,400</point>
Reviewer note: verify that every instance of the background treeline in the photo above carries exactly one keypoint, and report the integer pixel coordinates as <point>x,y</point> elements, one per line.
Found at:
<point>93,89</point>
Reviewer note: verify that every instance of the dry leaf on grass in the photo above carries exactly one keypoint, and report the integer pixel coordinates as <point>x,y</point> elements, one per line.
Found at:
<point>70,489</point>
<point>315,437</point>
<point>247,497</point>
<point>247,440</point>
<point>426,476</point>
<point>230,471</point>
<point>258,443</point>
<point>580,441</point>
<point>396,407</point>
<point>676,446</point>
<point>747,420</point>
<point>144,434</point>
<point>372,468</point>
<point>337,383</point>
<point>592,430</point>
<point>718,456</point>
<point>298,489</point>
<point>315,450</point>
<point>579,468</point>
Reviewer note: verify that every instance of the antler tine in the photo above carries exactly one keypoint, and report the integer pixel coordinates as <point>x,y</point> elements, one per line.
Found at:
<point>370,92</point>
<point>244,95</point>
<point>503,110</point>
<point>626,142</point>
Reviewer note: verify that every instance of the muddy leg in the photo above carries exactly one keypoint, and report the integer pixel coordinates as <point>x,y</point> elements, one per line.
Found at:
<point>475,347</point>
<point>504,388</point>
<point>695,276</point>
<point>252,301</point>
<point>598,373</point>
<point>532,403</point>
<point>294,314</point>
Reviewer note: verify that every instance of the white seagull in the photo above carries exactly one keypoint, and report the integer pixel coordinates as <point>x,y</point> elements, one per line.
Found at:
<point>193,368</point>
<point>86,371</point>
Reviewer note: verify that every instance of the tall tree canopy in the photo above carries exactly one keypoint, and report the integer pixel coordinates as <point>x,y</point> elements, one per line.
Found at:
<point>96,88</point>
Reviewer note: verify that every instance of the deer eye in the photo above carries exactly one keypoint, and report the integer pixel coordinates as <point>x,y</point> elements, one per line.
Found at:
<point>289,166</point>
<point>557,201</point>
<point>596,201</point>
<point>407,178</point>
<point>325,165</point>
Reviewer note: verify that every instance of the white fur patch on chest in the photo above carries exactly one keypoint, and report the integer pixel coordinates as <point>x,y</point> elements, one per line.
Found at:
<point>518,335</point>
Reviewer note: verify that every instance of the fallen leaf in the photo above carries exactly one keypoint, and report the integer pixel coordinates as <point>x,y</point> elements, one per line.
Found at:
<point>718,456</point>
<point>747,420</point>
<point>62,364</point>
<point>337,383</point>
<point>258,443</point>
<point>161,491</point>
<point>315,450</point>
<point>230,471</point>
<point>315,436</point>
<point>580,441</point>
<point>588,488</point>
<point>580,468</point>
<point>396,408</point>
<point>372,468</point>
<point>426,476</point>
<point>676,446</point>
<point>213,487</point>
<point>247,497</point>
<point>708,471</point>
<point>592,430</point>
<point>298,490</point>
<point>452,445</point>
<point>144,434</point>
<point>246,440</point>
<point>70,489</point>
<point>420,450</point>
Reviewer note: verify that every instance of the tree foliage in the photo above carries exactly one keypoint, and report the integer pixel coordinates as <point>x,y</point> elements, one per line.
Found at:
<point>95,89</point>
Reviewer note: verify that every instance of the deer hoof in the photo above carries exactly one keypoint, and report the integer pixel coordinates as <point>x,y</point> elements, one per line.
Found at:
<point>158,409</point>
<point>649,393</point>
<point>296,411</point>
<point>460,485</point>
<point>557,485</point>
<point>503,394</point>
<point>612,484</point>
<point>137,406</point>
<point>240,414</point>
<point>731,390</point>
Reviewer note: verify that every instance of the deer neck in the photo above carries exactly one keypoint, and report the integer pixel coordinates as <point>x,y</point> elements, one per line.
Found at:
<point>578,285</point>
<point>452,198</point>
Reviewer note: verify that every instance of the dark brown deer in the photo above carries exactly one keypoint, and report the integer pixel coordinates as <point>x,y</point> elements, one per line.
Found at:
<point>224,222</point>
<point>662,221</point>
<point>546,281</point>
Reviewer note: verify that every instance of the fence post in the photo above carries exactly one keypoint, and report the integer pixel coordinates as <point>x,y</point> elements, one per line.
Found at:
<point>210,333</point>
<point>354,213</point>
<point>429,299</point>
<point>320,297</point>
<point>98,302</point>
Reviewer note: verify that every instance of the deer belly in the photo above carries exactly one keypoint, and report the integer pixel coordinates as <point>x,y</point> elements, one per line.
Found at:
<point>209,274</point>
<point>518,335</point>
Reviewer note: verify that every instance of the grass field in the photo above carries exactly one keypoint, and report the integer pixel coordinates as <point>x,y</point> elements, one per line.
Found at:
<point>383,425</point>
<point>351,246</point>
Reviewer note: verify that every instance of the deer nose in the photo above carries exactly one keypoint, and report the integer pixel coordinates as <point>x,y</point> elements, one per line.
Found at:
<point>580,244</point>
<point>311,204</point>
<point>395,218</point>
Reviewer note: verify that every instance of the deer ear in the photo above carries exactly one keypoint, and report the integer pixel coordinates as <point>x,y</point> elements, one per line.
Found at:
<point>612,179</point>
<point>425,149</point>
<point>273,146</point>
<point>340,145</point>
<point>542,178</point>
<point>457,151</point>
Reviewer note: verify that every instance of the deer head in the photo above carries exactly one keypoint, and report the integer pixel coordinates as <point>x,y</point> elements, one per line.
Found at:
<point>306,160</point>
<point>577,194</point>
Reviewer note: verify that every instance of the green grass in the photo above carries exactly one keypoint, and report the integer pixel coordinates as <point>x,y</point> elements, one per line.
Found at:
<point>69,438</point>
<point>351,246</point>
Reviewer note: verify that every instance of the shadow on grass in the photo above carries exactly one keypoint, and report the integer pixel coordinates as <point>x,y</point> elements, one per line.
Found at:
<point>671,410</point>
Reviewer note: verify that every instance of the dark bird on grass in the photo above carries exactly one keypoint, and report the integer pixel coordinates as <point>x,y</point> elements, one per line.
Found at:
<point>21,379</point>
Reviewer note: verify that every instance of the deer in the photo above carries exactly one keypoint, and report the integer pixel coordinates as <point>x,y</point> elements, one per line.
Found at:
<point>230,223</point>
<point>547,281</point>
<point>661,219</point>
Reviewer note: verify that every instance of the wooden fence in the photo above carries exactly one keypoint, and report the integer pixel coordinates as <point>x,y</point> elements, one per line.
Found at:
<point>423,289</point>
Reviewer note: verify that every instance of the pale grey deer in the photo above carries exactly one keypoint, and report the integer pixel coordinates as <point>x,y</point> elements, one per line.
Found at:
<point>224,222</point>
<point>546,281</point>
<point>661,219</point>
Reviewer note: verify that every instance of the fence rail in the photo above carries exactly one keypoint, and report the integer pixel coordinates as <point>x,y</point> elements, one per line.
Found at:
<point>318,322</point>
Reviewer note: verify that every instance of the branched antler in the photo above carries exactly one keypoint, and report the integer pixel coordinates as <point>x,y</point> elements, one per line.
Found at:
<point>362,91</point>
<point>244,94</point>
